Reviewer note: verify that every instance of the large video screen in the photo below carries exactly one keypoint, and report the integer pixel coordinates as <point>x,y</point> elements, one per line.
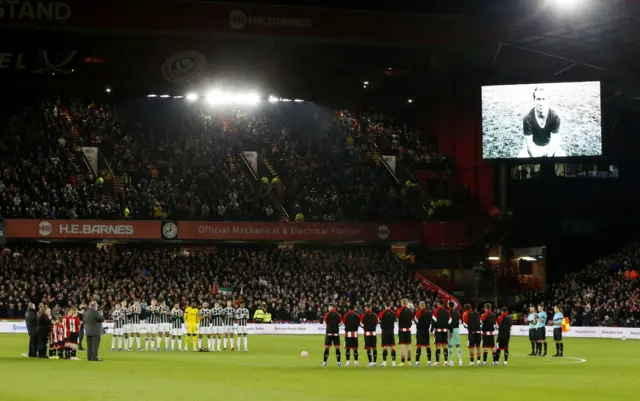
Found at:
<point>541,120</point>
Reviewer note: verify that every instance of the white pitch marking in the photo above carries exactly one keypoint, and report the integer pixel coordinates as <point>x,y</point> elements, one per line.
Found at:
<point>26,355</point>
<point>575,359</point>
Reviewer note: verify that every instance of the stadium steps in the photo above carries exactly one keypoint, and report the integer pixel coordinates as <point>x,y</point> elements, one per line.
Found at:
<point>118,184</point>
<point>266,190</point>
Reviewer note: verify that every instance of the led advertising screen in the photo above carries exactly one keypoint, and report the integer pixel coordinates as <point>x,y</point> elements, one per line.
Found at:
<point>541,120</point>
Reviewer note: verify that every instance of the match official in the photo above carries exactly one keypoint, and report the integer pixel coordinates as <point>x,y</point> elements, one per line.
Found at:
<point>542,330</point>
<point>558,317</point>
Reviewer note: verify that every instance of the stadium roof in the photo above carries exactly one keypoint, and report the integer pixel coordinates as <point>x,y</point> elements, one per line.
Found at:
<point>307,52</point>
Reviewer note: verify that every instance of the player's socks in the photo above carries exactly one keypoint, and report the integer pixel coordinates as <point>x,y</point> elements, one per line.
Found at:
<point>437,355</point>
<point>369,356</point>
<point>246,342</point>
<point>445,351</point>
<point>418,354</point>
<point>497,356</point>
<point>195,341</point>
<point>326,355</point>
<point>199,343</point>
<point>225,342</point>
<point>385,352</point>
<point>429,354</point>
<point>355,355</point>
<point>484,356</point>
<point>338,355</point>
<point>539,348</point>
<point>561,349</point>
<point>138,342</point>
<point>218,342</point>
<point>238,343</point>
<point>393,354</point>
<point>494,354</point>
<point>166,342</point>
<point>60,353</point>
<point>348,354</point>
<point>119,342</point>
<point>544,344</point>
<point>113,342</point>
<point>375,356</point>
<point>533,348</point>
<point>506,355</point>
<point>459,349</point>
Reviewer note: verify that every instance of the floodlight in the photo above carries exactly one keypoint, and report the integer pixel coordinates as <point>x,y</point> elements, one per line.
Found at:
<point>410,101</point>
<point>298,100</point>
<point>192,97</point>
<point>152,95</point>
<point>108,90</point>
<point>273,99</point>
<point>165,96</point>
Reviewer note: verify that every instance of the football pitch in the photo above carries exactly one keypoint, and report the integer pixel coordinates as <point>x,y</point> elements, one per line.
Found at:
<point>593,369</point>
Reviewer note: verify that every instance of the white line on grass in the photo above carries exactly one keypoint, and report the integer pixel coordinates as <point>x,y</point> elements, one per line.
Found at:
<point>574,359</point>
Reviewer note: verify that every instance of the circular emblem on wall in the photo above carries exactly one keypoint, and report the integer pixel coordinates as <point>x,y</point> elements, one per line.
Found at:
<point>237,19</point>
<point>183,66</point>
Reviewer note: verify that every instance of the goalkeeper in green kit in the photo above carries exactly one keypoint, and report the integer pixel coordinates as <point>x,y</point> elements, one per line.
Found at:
<point>454,334</point>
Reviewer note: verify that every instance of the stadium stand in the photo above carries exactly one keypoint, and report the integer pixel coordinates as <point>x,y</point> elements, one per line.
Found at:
<point>605,293</point>
<point>296,284</point>
<point>183,163</point>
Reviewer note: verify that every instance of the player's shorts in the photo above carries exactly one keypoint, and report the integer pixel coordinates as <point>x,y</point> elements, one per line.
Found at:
<point>533,334</point>
<point>203,330</point>
<point>370,342</point>
<point>74,337</point>
<point>387,338</point>
<point>152,328</point>
<point>228,329</point>
<point>217,329</point>
<point>127,328</point>
<point>474,340</point>
<point>242,330</point>
<point>118,331</point>
<point>330,340</point>
<point>503,342</point>
<point>404,337</point>
<point>442,337</point>
<point>557,334</point>
<point>454,337</point>
<point>192,329</point>
<point>423,339</point>
<point>164,327</point>
<point>176,331</point>
<point>541,333</point>
<point>351,343</point>
<point>488,342</point>
<point>135,329</point>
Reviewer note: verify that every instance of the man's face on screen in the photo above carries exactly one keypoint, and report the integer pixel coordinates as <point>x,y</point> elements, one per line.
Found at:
<point>542,105</point>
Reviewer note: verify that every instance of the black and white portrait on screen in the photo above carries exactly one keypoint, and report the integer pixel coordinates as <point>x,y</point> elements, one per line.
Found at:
<point>541,120</point>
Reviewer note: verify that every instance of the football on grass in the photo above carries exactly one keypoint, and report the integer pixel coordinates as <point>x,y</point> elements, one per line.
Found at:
<point>304,354</point>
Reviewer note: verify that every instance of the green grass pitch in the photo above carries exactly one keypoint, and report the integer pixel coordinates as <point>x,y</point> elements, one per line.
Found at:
<point>595,369</point>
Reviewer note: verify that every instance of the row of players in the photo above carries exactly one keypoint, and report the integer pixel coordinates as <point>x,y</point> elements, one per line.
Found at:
<point>218,325</point>
<point>443,323</point>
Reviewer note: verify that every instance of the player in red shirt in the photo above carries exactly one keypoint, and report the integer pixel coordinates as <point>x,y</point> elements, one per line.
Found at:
<point>405,321</point>
<point>57,338</point>
<point>72,332</point>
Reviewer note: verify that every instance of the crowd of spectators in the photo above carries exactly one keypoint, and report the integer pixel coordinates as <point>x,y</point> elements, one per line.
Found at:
<point>296,284</point>
<point>39,170</point>
<point>183,162</point>
<point>605,293</point>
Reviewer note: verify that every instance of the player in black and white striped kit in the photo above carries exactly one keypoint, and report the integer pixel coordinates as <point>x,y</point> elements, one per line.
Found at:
<point>118,324</point>
<point>164,326</point>
<point>126,312</point>
<point>217,326</point>
<point>204,328</point>
<point>153,321</point>
<point>242,318</point>
<point>229,314</point>
<point>176,326</point>
<point>136,311</point>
